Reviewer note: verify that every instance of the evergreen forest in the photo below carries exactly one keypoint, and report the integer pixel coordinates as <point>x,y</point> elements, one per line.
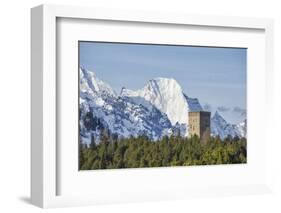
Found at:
<point>112,152</point>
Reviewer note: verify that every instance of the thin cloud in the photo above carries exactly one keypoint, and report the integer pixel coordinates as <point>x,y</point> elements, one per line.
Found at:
<point>240,111</point>
<point>207,107</point>
<point>223,109</point>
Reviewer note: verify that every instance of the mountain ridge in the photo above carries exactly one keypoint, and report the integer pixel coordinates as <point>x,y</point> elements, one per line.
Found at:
<point>159,108</point>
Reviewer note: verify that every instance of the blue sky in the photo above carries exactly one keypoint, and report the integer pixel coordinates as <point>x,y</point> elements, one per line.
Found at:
<point>216,76</point>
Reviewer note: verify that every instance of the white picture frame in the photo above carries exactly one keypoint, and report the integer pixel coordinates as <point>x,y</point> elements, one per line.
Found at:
<point>44,84</point>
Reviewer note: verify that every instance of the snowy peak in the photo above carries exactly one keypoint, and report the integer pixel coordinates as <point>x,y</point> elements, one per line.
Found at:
<point>241,128</point>
<point>163,85</point>
<point>193,104</point>
<point>220,127</point>
<point>90,83</point>
<point>218,118</point>
<point>166,95</point>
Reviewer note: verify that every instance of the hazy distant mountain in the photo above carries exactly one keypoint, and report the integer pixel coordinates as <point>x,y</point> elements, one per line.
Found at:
<point>219,126</point>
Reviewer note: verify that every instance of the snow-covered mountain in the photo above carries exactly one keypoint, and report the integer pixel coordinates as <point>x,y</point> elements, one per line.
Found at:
<point>220,127</point>
<point>241,128</point>
<point>159,108</point>
<point>90,84</point>
<point>167,96</point>
<point>101,108</point>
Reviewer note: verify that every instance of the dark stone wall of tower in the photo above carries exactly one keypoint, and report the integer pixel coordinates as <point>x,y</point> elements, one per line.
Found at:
<point>205,126</point>
<point>200,124</point>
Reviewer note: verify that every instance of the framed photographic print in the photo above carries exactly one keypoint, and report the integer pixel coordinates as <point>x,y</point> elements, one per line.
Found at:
<point>149,119</point>
<point>130,106</point>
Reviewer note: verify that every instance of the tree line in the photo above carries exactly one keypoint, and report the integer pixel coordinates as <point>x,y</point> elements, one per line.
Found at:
<point>138,152</point>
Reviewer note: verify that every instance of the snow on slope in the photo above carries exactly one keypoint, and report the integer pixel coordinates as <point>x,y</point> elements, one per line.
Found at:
<point>91,84</point>
<point>220,127</point>
<point>166,95</point>
<point>241,128</point>
<point>101,108</point>
<point>193,104</point>
<point>159,108</point>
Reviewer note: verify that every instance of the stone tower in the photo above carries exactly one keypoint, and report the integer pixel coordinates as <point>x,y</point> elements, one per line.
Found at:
<point>199,124</point>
